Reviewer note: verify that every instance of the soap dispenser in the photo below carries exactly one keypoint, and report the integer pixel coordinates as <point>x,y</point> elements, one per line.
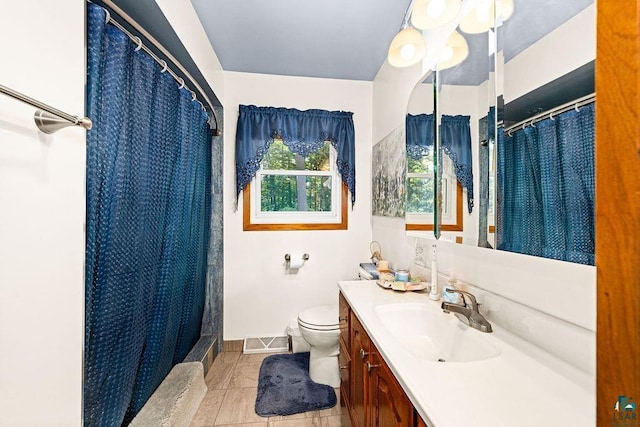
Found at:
<point>434,295</point>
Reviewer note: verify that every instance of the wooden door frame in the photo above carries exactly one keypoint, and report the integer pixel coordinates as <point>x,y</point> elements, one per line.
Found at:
<point>617,207</point>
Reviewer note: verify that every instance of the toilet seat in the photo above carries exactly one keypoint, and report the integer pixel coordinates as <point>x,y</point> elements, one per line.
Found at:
<point>321,318</point>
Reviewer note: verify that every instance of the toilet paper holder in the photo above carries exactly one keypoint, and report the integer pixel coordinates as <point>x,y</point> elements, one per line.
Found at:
<point>305,257</point>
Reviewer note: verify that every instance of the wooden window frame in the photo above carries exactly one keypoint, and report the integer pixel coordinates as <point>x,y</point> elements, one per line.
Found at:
<point>247,225</point>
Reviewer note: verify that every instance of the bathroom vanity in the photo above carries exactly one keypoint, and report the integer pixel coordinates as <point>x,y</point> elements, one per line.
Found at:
<point>370,394</point>
<point>403,362</point>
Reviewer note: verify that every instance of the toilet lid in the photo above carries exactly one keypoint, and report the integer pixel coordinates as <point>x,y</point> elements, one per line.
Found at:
<point>324,317</point>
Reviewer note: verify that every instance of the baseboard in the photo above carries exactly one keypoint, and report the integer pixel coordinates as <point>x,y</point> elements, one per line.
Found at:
<point>234,346</point>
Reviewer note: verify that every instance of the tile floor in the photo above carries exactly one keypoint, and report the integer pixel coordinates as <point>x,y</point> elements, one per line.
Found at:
<point>233,385</point>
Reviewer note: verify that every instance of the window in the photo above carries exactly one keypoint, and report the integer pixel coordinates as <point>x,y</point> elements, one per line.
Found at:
<point>420,198</point>
<point>295,192</point>
<point>289,165</point>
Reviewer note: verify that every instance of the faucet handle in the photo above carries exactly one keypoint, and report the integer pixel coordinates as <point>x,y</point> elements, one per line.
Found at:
<point>465,295</point>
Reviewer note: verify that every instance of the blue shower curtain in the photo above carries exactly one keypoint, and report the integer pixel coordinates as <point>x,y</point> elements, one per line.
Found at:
<point>546,184</point>
<point>148,195</point>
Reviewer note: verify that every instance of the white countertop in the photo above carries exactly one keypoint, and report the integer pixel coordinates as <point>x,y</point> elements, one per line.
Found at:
<point>523,386</point>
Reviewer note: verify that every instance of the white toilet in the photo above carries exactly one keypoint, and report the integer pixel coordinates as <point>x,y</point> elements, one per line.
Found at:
<point>319,327</point>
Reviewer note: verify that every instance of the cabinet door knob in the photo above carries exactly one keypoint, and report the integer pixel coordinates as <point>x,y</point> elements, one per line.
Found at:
<point>342,319</point>
<point>363,353</point>
<point>370,366</point>
<point>344,367</point>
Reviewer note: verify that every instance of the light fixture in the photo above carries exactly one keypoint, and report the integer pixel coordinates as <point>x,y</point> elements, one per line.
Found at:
<point>407,48</point>
<point>483,17</point>
<point>454,52</point>
<point>430,14</point>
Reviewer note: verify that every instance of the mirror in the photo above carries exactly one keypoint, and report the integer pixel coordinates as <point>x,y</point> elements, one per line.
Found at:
<point>543,60</point>
<point>465,97</point>
<point>459,98</point>
<point>544,156</point>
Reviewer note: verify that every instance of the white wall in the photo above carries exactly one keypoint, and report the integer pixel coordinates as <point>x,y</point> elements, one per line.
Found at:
<point>392,88</point>
<point>42,200</point>
<point>259,297</point>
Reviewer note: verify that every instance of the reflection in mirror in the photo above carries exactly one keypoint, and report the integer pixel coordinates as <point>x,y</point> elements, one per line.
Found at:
<point>542,61</point>
<point>545,165</point>
<point>486,172</point>
<point>420,142</point>
<point>465,96</point>
<point>490,178</point>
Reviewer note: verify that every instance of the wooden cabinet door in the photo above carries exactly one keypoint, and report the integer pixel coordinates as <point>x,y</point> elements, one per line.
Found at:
<point>344,357</point>
<point>370,394</point>
<point>358,377</point>
<point>390,405</point>
<point>344,360</point>
<point>344,320</point>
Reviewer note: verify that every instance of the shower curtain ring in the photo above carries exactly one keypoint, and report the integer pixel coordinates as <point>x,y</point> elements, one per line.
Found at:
<point>193,95</point>
<point>576,107</point>
<point>139,41</point>
<point>201,105</point>
<point>509,132</point>
<point>108,17</point>
<point>551,116</point>
<point>181,80</point>
<point>532,125</point>
<point>164,66</point>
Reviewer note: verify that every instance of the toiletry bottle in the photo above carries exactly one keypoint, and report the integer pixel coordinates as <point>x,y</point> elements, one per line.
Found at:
<point>448,296</point>
<point>434,295</point>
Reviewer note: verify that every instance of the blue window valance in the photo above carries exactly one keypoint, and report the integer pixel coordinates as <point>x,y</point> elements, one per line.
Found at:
<point>455,135</point>
<point>419,135</point>
<point>303,132</point>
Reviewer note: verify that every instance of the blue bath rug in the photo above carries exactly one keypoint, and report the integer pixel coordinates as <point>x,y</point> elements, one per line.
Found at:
<point>284,387</point>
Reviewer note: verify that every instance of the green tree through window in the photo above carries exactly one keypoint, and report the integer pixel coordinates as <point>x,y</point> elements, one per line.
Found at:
<point>420,185</point>
<point>290,182</point>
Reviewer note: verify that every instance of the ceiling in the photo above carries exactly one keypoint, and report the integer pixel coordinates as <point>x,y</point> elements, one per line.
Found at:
<point>330,38</point>
<point>346,39</point>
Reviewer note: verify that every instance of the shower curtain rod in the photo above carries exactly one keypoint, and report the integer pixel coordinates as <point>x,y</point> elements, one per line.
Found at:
<point>121,13</point>
<point>47,118</point>
<point>575,104</point>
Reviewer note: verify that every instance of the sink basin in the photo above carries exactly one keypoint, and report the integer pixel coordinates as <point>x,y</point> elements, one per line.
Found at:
<point>429,334</point>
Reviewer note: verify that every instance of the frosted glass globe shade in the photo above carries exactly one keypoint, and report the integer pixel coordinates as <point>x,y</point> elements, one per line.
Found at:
<point>430,14</point>
<point>482,18</point>
<point>455,51</point>
<point>407,48</point>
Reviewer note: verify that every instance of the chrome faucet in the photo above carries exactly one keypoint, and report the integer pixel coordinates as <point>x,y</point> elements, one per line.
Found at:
<point>468,310</point>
